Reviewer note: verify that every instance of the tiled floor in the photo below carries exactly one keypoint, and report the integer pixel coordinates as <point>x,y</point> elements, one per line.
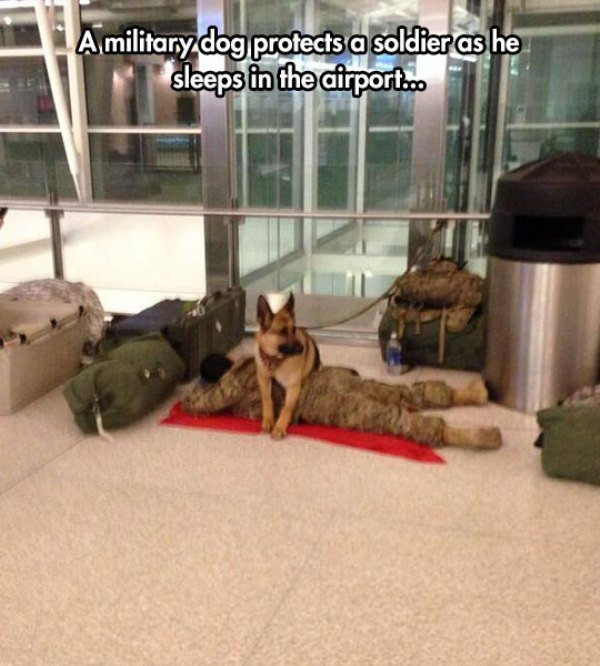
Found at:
<point>174,546</point>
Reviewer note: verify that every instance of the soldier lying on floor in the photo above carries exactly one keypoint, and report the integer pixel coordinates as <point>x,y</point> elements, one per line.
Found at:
<point>340,397</point>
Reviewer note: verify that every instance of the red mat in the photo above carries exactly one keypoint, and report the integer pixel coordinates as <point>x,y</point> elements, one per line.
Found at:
<point>386,444</point>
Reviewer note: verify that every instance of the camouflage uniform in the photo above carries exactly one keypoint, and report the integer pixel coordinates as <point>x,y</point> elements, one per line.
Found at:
<point>333,396</point>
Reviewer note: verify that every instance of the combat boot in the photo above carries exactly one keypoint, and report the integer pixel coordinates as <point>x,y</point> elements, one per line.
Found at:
<point>474,394</point>
<point>472,438</point>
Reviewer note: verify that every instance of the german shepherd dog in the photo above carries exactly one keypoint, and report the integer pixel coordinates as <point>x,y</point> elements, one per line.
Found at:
<point>285,354</point>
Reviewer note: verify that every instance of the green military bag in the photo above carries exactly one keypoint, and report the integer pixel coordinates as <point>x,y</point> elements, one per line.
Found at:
<point>124,383</point>
<point>570,442</point>
<point>463,350</point>
<point>437,312</point>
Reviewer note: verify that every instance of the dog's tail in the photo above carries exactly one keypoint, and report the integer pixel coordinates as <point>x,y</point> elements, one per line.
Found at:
<point>214,366</point>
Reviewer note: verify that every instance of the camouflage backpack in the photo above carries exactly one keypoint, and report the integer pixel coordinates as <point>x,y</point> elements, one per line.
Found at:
<point>439,303</point>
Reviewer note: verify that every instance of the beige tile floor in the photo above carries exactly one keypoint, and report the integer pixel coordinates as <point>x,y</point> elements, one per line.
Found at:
<point>173,546</point>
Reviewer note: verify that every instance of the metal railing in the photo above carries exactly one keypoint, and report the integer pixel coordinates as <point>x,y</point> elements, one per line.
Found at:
<point>188,210</point>
<point>55,212</point>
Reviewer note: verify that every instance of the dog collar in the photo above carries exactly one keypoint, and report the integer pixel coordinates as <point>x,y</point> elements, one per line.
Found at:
<point>271,362</point>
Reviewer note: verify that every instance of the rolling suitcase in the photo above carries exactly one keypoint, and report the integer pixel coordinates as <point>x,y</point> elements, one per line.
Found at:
<point>195,329</point>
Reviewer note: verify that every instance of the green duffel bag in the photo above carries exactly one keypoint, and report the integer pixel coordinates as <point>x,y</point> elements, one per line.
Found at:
<point>463,350</point>
<point>124,383</point>
<point>570,442</point>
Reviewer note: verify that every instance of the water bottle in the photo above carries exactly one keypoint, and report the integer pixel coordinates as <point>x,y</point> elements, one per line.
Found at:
<point>394,355</point>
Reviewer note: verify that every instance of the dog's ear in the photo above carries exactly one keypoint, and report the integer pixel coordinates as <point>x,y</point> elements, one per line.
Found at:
<point>289,306</point>
<point>264,314</point>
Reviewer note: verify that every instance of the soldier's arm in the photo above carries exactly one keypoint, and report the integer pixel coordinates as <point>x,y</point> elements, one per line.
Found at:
<point>223,395</point>
<point>208,400</point>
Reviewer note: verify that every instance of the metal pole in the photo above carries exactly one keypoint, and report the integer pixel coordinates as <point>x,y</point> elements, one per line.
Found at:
<point>54,214</point>
<point>58,94</point>
<point>123,208</point>
<point>429,130</point>
<point>497,91</point>
<point>78,98</point>
<point>218,160</point>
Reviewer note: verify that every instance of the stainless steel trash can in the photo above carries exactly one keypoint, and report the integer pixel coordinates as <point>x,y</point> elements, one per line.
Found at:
<point>543,298</point>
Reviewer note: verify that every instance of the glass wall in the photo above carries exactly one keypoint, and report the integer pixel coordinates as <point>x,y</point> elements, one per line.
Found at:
<point>390,119</point>
<point>25,248</point>
<point>32,157</point>
<point>139,141</point>
<point>19,27</point>
<point>34,164</point>
<point>553,95</point>
<point>150,257</point>
<point>143,139</point>
<point>321,150</point>
<point>126,93</point>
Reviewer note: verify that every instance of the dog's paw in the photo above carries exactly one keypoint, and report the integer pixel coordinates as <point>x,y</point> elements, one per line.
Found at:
<point>267,424</point>
<point>278,432</point>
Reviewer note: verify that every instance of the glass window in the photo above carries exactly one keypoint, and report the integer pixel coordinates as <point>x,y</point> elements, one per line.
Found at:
<point>34,164</point>
<point>107,17</point>
<point>335,169</point>
<point>337,118</point>
<point>266,121</point>
<point>303,150</point>
<point>462,73</point>
<point>553,101</point>
<point>388,160</point>
<point>18,26</point>
<point>269,174</point>
<point>149,167</point>
<point>25,248</point>
<point>389,124</point>
<point>268,241</point>
<point>136,89</point>
<point>25,95</point>
<point>151,257</point>
<point>255,238</point>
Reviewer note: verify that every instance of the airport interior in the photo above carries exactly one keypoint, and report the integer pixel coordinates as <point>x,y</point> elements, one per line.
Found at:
<point>440,235</point>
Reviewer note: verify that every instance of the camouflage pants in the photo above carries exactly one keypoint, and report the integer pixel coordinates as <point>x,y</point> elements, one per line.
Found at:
<point>341,398</point>
<point>334,396</point>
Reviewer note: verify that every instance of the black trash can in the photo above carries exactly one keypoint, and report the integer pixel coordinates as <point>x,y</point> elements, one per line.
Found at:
<point>543,300</point>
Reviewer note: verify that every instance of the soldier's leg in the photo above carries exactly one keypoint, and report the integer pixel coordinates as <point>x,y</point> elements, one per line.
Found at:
<point>344,400</point>
<point>472,438</point>
<point>420,395</point>
<point>436,432</point>
<point>349,410</point>
<point>359,412</point>
<point>423,395</point>
<point>388,394</point>
<point>356,410</point>
<point>438,395</point>
<point>475,393</point>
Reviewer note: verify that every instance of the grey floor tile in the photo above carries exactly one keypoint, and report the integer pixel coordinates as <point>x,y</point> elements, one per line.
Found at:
<point>375,595</point>
<point>111,573</point>
<point>35,435</point>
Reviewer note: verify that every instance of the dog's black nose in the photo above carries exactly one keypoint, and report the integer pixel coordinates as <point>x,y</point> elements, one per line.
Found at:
<point>291,349</point>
